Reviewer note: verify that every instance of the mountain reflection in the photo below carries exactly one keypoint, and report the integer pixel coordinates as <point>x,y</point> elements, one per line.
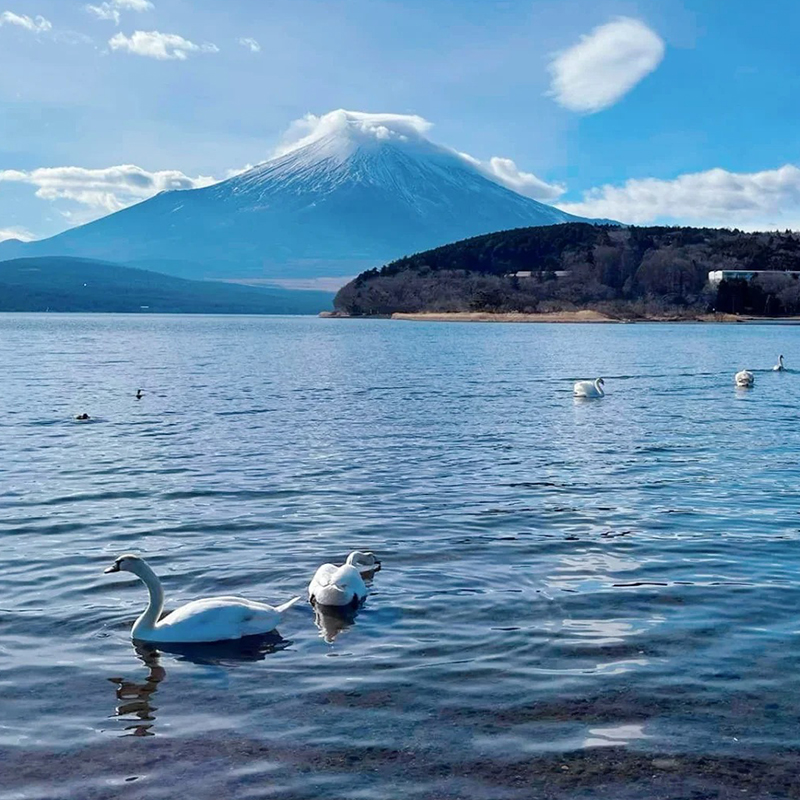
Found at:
<point>134,699</point>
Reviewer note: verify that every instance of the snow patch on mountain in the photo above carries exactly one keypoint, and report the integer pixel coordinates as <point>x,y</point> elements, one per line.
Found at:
<point>344,132</point>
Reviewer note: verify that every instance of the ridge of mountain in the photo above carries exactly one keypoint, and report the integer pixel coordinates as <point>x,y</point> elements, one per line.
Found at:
<point>52,283</point>
<point>333,206</point>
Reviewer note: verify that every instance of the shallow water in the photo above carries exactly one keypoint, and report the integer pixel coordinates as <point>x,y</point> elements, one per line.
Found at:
<point>579,599</point>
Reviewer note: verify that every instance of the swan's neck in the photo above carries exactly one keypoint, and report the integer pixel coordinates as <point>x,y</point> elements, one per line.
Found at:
<point>147,621</point>
<point>598,387</point>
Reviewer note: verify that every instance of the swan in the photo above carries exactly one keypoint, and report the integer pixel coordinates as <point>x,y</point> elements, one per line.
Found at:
<point>779,367</point>
<point>213,619</point>
<point>139,394</point>
<point>589,388</point>
<point>744,378</point>
<point>343,586</point>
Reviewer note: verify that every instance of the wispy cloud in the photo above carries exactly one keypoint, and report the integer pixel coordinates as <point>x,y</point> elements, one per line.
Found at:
<point>605,65</point>
<point>765,199</point>
<point>36,24</point>
<point>506,172</point>
<point>22,234</point>
<point>251,44</point>
<point>112,9</point>
<point>109,189</point>
<point>161,46</point>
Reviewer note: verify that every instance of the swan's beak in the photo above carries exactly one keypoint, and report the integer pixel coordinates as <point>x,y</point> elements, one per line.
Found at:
<point>113,568</point>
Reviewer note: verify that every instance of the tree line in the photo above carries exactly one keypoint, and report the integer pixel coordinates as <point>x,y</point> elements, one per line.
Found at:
<point>621,271</point>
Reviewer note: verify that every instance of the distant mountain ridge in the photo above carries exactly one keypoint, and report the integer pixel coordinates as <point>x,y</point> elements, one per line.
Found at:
<point>74,284</point>
<point>351,198</point>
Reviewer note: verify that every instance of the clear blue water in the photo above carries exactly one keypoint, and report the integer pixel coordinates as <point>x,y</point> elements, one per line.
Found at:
<point>579,599</point>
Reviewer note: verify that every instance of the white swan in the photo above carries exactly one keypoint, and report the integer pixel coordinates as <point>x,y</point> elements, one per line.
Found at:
<point>779,367</point>
<point>213,619</point>
<point>343,586</point>
<point>744,378</point>
<point>589,388</point>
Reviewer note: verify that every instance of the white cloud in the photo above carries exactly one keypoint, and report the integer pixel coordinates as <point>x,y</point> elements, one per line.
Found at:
<point>251,44</point>
<point>767,199</point>
<point>351,127</point>
<point>22,234</point>
<point>161,46</point>
<point>111,10</point>
<point>506,172</point>
<point>605,65</point>
<point>109,189</point>
<point>36,25</point>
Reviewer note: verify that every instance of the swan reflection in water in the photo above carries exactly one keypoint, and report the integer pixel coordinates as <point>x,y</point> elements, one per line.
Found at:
<point>134,699</point>
<point>332,620</point>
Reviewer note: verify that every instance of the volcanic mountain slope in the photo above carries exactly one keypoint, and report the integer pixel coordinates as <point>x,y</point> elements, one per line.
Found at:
<point>360,191</point>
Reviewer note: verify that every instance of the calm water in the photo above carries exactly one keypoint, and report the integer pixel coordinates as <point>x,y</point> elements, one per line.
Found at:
<point>579,599</point>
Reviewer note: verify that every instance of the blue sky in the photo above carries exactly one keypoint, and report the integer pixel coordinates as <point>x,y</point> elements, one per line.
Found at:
<point>644,111</point>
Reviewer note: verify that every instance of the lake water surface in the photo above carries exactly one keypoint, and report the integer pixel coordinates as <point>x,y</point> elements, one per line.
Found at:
<point>578,599</point>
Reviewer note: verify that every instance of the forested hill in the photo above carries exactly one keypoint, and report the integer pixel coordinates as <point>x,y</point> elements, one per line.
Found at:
<point>621,271</point>
<point>77,284</point>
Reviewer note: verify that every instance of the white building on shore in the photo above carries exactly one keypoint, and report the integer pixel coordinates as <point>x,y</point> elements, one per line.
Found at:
<point>715,277</point>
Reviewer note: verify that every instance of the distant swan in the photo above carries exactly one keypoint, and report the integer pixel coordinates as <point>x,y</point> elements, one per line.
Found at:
<point>779,367</point>
<point>589,388</point>
<point>139,394</point>
<point>213,619</point>
<point>744,378</point>
<point>343,586</point>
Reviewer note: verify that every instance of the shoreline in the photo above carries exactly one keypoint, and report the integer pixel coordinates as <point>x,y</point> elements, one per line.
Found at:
<point>585,316</point>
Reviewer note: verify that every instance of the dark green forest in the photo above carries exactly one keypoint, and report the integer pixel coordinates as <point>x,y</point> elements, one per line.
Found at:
<point>621,271</point>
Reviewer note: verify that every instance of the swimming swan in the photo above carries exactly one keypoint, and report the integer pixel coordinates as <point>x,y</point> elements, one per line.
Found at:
<point>744,378</point>
<point>343,586</point>
<point>779,367</point>
<point>213,619</point>
<point>589,388</point>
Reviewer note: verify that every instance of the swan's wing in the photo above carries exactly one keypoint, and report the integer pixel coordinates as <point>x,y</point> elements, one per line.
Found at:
<point>322,577</point>
<point>338,585</point>
<point>216,619</point>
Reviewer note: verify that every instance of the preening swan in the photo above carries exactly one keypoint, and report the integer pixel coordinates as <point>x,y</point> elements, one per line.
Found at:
<point>744,378</point>
<point>589,388</point>
<point>779,367</point>
<point>213,619</point>
<point>343,586</point>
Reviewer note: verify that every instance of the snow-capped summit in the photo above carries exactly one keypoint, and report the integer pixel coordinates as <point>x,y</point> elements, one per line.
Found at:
<point>344,192</point>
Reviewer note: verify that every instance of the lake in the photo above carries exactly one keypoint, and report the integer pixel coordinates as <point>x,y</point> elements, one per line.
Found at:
<point>594,599</point>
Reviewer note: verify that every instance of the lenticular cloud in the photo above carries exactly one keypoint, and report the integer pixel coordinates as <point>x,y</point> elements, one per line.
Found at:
<point>605,65</point>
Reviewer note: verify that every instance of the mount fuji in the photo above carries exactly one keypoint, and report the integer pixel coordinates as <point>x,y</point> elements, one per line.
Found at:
<point>355,191</point>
